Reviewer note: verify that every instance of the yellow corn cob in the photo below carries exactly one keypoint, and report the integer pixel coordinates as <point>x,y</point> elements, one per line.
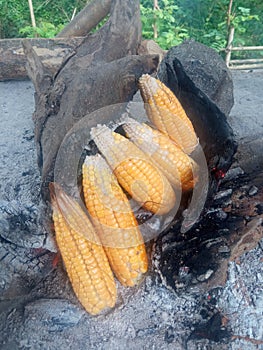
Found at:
<point>176,165</point>
<point>135,171</point>
<point>114,221</point>
<point>166,113</point>
<point>85,261</point>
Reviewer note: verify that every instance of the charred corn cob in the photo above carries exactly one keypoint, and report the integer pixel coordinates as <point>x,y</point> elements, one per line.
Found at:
<point>176,165</point>
<point>166,113</point>
<point>85,260</point>
<point>135,171</point>
<point>114,221</point>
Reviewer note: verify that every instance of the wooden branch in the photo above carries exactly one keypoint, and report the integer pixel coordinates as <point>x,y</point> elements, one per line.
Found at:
<point>86,19</point>
<point>51,52</point>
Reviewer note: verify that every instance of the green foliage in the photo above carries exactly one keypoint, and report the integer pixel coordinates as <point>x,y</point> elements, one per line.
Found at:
<point>169,34</point>
<point>15,16</point>
<point>44,30</point>
<point>204,21</point>
<point>173,22</point>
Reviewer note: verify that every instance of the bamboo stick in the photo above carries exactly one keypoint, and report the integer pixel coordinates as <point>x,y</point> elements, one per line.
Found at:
<point>247,48</point>
<point>247,66</point>
<point>32,15</point>
<point>247,60</point>
<point>229,45</point>
<point>229,11</point>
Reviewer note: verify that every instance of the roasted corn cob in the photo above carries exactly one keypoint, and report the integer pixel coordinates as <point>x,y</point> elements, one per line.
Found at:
<point>85,260</point>
<point>176,165</point>
<point>166,113</point>
<point>135,171</point>
<point>114,221</point>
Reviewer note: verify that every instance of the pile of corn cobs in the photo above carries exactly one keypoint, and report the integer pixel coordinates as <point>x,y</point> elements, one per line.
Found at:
<point>148,164</point>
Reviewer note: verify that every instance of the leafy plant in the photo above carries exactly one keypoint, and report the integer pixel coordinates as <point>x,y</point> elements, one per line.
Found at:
<point>44,30</point>
<point>169,24</point>
<point>163,19</point>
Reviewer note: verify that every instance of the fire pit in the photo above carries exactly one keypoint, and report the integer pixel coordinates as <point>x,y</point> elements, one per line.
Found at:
<point>187,299</point>
<point>37,312</point>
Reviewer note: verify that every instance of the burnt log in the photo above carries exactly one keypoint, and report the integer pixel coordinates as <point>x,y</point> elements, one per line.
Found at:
<point>85,80</point>
<point>51,52</point>
<point>208,71</point>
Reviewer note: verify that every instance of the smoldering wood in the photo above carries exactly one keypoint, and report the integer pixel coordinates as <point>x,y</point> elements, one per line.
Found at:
<point>52,52</point>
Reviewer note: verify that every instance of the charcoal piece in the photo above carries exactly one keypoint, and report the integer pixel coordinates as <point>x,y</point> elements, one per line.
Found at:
<point>208,72</point>
<point>20,225</point>
<point>54,315</point>
<point>253,190</point>
<point>213,329</point>
<point>186,258</point>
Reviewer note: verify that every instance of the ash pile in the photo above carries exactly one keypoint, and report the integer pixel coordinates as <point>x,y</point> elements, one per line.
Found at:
<point>211,298</point>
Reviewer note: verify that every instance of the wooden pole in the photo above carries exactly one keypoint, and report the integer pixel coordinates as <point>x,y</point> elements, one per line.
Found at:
<point>155,29</point>
<point>248,60</point>
<point>230,30</point>
<point>32,15</point>
<point>229,12</point>
<point>73,14</point>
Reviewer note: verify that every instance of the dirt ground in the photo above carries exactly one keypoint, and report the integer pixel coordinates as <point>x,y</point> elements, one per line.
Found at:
<point>246,116</point>
<point>37,307</point>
